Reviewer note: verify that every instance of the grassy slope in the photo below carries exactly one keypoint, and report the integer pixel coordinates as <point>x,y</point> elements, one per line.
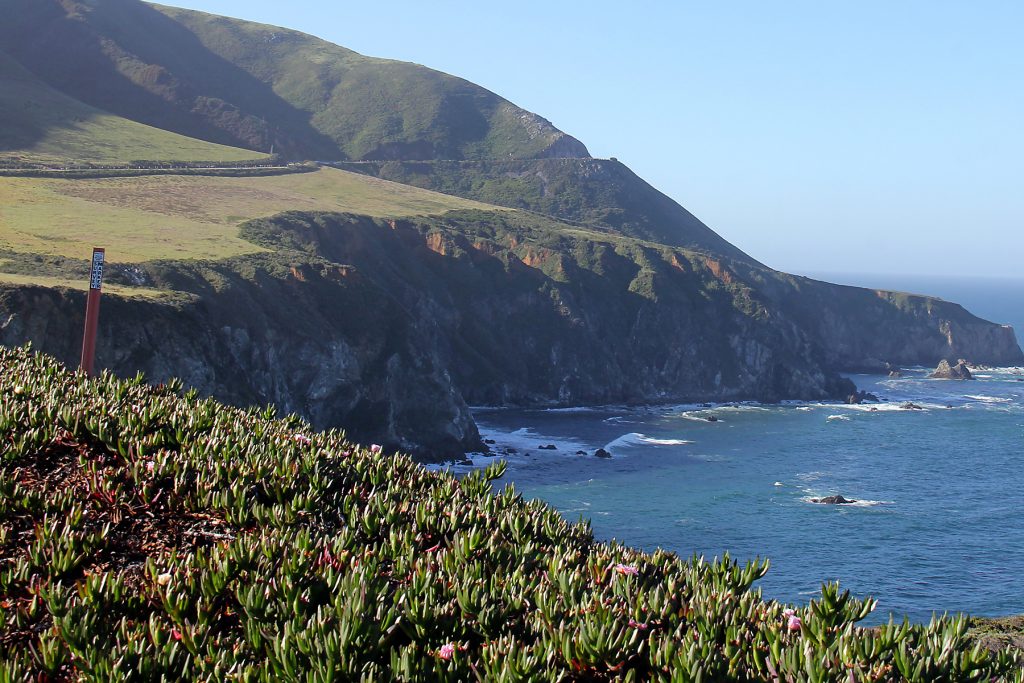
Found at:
<point>186,217</point>
<point>370,106</point>
<point>43,126</point>
<point>598,192</point>
<point>165,537</point>
<point>254,86</point>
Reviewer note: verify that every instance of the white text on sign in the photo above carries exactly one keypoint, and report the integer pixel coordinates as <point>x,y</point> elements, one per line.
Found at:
<point>96,280</point>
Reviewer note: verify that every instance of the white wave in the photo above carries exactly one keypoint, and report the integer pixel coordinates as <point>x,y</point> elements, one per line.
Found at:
<point>700,416</point>
<point>989,399</point>
<point>892,406</point>
<point>572,409</point>
<point>665,442</point>
<point>1010,370</point>
<point>856,504</point>
<point>747,406</point>
<point>836,418</point>
<point>526,440</point>
<point>637,439</point>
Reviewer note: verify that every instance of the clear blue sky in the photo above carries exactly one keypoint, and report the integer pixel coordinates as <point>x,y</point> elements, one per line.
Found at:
<point>868,136</point>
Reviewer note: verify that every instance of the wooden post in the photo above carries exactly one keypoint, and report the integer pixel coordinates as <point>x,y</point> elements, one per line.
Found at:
<point>92,310</point>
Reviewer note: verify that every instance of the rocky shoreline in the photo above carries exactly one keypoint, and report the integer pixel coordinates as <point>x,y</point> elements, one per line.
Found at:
<point>393,346</point>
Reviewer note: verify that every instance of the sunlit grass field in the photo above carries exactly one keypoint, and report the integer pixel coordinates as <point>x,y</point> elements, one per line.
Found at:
<point>187,217</point>
<point>44,126</point>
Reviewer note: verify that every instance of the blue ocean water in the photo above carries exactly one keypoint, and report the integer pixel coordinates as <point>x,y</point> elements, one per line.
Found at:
<point>937,527</point>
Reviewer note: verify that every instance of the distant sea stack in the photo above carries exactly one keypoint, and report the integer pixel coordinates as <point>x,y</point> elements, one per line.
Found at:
<point>947,371</point>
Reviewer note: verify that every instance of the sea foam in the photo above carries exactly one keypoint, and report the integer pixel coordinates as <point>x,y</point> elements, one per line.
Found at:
<point>638,439</point>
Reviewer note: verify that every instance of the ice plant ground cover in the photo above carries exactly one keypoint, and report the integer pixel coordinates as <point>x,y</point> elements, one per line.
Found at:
<point>149,534</point>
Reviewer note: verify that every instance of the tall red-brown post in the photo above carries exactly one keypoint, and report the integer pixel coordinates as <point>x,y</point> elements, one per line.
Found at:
<point>92,310</point>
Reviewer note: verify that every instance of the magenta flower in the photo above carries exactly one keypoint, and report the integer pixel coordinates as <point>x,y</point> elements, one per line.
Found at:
<point>788,612</point>
<point>627,569</point>
<point>794,623</point>
<point>302,439</point>
<point>447,651</point>
<point>376,448</point>
<point>637,625</point>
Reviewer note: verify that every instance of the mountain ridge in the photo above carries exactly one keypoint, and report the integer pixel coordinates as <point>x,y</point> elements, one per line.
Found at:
<point>259,86</point>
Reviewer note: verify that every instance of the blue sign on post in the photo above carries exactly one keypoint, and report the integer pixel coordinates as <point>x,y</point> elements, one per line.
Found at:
<point>96,279</point>
<point>92,311</point>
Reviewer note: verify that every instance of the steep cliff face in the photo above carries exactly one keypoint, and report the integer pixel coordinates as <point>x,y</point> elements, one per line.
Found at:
<point>864,329</point>
<point>390,327</point>
<point>314,343</point>
<point>933,329</point>
<point>530,316</point>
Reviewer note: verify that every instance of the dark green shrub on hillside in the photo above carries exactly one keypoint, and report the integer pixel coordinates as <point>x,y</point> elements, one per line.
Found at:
<point>151,535</point>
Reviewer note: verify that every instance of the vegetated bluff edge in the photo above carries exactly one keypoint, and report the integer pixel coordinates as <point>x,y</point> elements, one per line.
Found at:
<point>567,281</point>
<point>149,535</point>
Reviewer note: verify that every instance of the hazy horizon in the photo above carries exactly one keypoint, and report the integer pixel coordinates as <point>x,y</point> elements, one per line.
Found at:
<point>864,138</point>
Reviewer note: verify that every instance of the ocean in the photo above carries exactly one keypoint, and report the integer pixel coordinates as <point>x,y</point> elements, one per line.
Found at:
<point>936,527</point>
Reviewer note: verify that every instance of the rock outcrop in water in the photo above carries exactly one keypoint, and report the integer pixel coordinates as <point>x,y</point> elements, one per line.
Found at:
<point>833,500</point>
<point>947,371</point>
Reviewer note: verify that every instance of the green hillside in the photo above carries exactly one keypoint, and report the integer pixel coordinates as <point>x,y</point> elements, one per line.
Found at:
<point>255,86</point>
<point>595,192</point>
<point>186,217</point>
<point>41,126</point>
<point>152,536</point>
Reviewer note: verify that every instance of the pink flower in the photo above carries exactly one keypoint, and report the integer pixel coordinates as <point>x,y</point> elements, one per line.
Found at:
<point>447,651</point>
<point>176,634</point>
<point>302,439</point>
<point>637,625</point>
<point>794,623</point>
<point>788,612</point>
<point>376,448</point>
<point>626,569</point>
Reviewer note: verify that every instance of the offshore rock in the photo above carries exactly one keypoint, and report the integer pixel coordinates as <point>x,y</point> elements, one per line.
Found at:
<point>833,500</point>
<point>947,371</point>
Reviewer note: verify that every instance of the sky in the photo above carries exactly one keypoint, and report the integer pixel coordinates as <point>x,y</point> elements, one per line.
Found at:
<point>820,137</point>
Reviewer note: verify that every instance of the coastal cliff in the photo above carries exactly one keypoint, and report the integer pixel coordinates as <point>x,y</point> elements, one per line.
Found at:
<point>391,327</point>
<point>503,266</point>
